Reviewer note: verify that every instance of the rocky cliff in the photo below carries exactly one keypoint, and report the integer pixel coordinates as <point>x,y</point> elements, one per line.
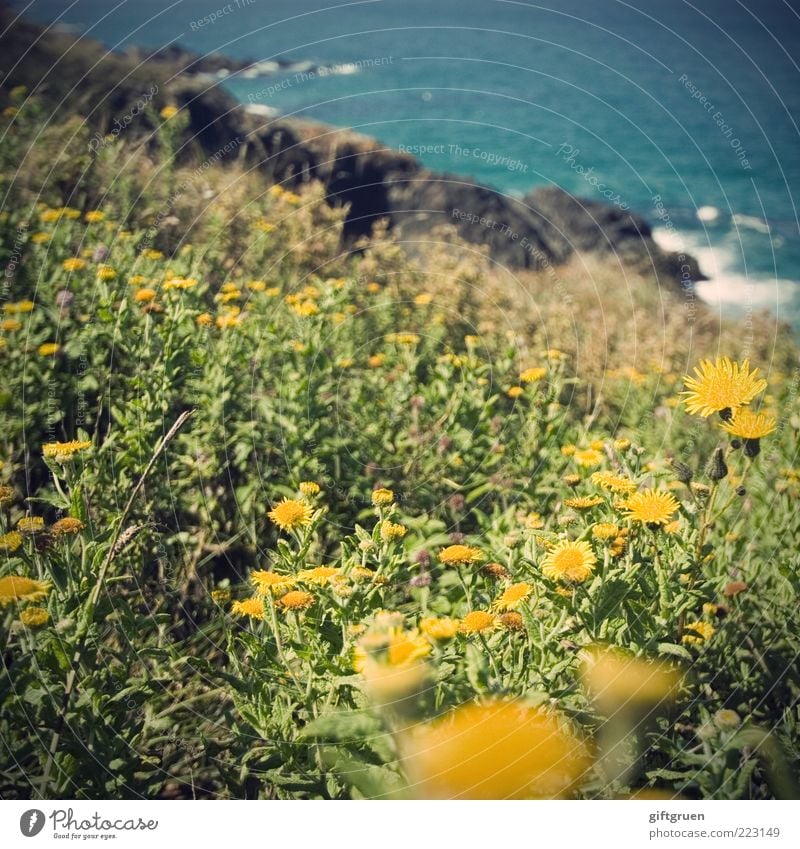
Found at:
<point>74,75</point>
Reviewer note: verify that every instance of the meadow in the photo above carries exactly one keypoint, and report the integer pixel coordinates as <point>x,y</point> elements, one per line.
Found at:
<point>283,519</point>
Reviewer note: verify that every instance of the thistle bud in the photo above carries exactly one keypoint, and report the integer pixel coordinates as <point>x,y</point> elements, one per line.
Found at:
<point>752,448</point>
<point>682,471</point>
<point>717,469</point>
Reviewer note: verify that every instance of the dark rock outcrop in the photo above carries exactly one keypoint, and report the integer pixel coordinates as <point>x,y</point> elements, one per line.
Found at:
<point>73,75</point>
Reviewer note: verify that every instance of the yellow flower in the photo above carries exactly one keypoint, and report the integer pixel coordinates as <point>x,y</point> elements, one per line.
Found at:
<point>40,238</point>
<point>476,622</point>
<point>496,750</point>
<point>749,425</point>
<point>568,561</point>
<point>305,309</point>
<point>404,338</point>
<point>309,488</point>
<point>296,600</point>
<point>181,283</point>
<point>17,588</point>
<point>106,272</point>
<point>463,555</point>
<point>514,391</point>
<point>204,319</point>
<point>10,542</point>
<point>152,254</point>
<point>513,596</point>
<point>19,307</point>
<point>702,631</point>
<point>10,324</point>
<point>382,497</point>
<point>291,514</point>
<point>168,112</point>
<point>144,295</point>
<point>651,507</point>
<point>68,526</point>
<point>29,525</point>
<point>587,457</point>
<point>267,582</point>
<point>605,531</point>
<point>34,617</point>
<point>94,216</point>
<point>373,288</point>
<point>583,502</point>
<point>391,531</point>
<point>423,299</point>
<point>48,349</point>
<point>252,607</point>
<point>532,375</point>
<point>73,264</point>
<point>376,360</point>
<point>721,386</point>
<point>63,452</point>
<point>622,444</point>
<point>612,482</point>
<point>619,680</point>
<point>437,628</point>
<point>318,575</point>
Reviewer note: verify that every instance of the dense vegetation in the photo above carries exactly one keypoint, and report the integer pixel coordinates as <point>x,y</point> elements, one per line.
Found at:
<point>270,506</point>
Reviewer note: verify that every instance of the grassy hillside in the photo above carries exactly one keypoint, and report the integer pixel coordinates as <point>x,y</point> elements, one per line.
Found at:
<point>270,508</point>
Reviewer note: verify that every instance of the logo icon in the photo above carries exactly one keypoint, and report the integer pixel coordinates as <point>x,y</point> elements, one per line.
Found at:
<point>31,822</point>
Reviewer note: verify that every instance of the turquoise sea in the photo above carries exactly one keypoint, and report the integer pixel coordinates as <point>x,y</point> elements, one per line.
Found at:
<point>686,112</point>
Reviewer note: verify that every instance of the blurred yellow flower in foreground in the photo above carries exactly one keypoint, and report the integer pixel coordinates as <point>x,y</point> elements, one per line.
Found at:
<point>498,750</point>
<point>617,680</point>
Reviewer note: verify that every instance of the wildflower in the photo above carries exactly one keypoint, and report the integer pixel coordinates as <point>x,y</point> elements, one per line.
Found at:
<point>319,575</point>
<point>703,631</point>
<point>619,680</point>
<point>532,375</point>
<point>605,531</point>
<point>362,573</point>
<point>6,495</point>
<point>751,427</point>
<point>94,216</point>
<point>48,349</point>
<point>204,320</point>
<point>376,360</point>
<point>568,450</point>
<point>181,283</point>
<point>18,588</point>
<point>571,480</point>
<point>727,720</point>
<point>221,596</point>
<point>63,452</point>
<point>382,497</point>
<point>514,391</point>
<point>291,514</point>
<point>34,617</point>
<point>443,628</point>
<point>496,750</point>
<point>496,571</point>
<point>309,488</point>
<point>405,338</point>
<point>651,507</point>
<point>252,607</point>
<point>40,238</point>
<point>10,542</point>
<point>460,555</point>
<point>144,295</point>
<point>533,522</point>
<point>717,468</point>
<point>569,561</point>
<point>68,526</point>
<point>296,600</point>
<point>106,272</point>
<point>513,596</point>
<point>373,288</point>
<point>583,502</point>
<point>477,622</point>
<point>10,325</point>
<point>267,582</point>
<point>613,483</point>
<point>30,525</point>
<point>672,527</point>
<point>423,299</point>
<point>622,444</point>
<point>588,457</point>
<point>152,254</point>
<point>168,112</point>
<point>226,322</point>
<point>19,307</point>
<point>721,387</point>
<point>512,621</point>
<point>392,531</point>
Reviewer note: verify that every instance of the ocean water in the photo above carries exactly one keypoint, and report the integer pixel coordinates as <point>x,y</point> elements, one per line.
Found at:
<point>685,112</point>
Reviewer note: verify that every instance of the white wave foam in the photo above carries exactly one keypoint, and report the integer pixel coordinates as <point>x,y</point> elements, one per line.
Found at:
<point>707,213</point>
<point>751,223</point>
